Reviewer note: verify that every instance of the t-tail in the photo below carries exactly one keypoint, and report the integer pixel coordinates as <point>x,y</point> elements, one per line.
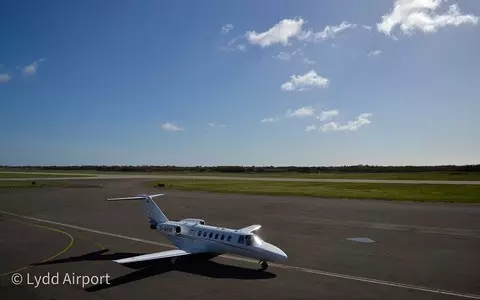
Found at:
<point>155,214</point>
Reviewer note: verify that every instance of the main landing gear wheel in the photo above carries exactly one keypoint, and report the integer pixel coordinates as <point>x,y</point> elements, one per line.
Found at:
<point>264,265</point>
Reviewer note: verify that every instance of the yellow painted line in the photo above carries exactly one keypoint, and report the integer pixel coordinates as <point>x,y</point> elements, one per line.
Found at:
<point>51,257</point>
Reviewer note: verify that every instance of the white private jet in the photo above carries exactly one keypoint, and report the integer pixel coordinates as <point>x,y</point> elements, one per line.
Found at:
<point>192,236</point>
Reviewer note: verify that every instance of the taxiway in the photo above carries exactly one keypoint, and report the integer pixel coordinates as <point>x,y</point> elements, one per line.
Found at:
<point>420,250</point>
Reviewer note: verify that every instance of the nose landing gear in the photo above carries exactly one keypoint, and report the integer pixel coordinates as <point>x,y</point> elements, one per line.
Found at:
<point>263,265</point>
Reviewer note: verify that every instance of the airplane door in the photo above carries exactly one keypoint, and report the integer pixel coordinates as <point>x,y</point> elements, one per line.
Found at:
<point>192,232</point>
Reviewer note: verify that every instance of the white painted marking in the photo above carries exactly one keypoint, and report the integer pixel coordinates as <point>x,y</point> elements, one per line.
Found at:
<point>287,267</point>
<point>361,240</point>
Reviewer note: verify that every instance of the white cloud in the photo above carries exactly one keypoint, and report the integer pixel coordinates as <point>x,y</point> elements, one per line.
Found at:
<point>328,114</point>
<point>303,82</point>
<point>226,28</point>
<point>301,112</point>
<point>308,61</point>
<point>170,127</point>
<point>329,32</point>
<point>367,27</point>
<point>374,53</point>
<point>240,47</point>
<point>4,78</point>
<point>422,15</point>
<point>287,56</point>
<point>310,128</point>
<point>298,52</point>
<point>280,33</point>
<point>32,68</point>
<point>232,46</point>
<point>270,120</point>
<point>332,126</point>
<point>283,56</point>
<point>361,120</point>
<point>217,125</point>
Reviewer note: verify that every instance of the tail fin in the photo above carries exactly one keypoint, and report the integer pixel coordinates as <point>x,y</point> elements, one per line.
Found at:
<point>153,211</point>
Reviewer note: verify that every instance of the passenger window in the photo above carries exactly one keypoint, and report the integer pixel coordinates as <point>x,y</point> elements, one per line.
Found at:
<point>204,234</point>
<point>210,235</point>
<point>200,233</point>
<point>229,238</point>
<point>216,236</point>
<point>223,236</point>
<point>241,239</point>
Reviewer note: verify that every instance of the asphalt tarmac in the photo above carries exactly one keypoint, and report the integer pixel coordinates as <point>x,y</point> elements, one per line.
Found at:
<point>419,250</point>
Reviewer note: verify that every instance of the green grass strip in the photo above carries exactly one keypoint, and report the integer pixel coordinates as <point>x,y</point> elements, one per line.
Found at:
<point>38,175</point>
<point>29,184</point>
<point>381,191</point>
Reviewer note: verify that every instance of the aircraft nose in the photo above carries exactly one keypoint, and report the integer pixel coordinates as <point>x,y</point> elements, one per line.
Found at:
<point>277,253</point>
<point>281,254</point>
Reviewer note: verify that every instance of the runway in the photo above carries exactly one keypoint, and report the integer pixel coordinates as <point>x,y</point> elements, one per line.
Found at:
<point>202,177</point>
<point>421,251</point>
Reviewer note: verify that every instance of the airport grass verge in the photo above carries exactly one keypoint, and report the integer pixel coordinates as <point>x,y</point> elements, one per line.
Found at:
<point>380,191</point>
<point>40,175</point>
<point>430,175</point>
<point>33,184</point>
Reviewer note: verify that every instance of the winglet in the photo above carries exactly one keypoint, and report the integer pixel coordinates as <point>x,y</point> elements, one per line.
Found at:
<point>250,228</point>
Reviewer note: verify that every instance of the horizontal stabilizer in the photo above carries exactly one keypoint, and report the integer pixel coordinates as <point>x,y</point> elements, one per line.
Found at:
<point>125,198</point>
<point>250,228</point>
<point>139,197</point>
<point>153,256</point>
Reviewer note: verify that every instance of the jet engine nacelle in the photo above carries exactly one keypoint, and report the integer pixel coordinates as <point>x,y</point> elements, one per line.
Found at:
<point>194,221</point>
<point>172,229</point>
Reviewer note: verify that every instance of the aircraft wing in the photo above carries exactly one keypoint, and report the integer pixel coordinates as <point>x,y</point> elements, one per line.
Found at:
<point>153,256</point>
<point>250,228</point>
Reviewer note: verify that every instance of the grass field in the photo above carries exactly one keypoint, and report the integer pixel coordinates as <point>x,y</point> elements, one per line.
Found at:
<point>459,176</point>
<point>28,184</point>
<point>398,192</point>
<point>38,175</point>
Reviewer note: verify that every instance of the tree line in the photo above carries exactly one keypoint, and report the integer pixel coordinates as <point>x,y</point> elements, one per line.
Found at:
<point>262,169</point>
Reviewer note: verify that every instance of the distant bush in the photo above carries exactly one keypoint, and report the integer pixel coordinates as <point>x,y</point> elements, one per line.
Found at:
<point>452,169</point>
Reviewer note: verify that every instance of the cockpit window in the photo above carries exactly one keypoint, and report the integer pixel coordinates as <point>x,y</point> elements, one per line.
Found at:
<point>241,239</point>
<point>252,239</point>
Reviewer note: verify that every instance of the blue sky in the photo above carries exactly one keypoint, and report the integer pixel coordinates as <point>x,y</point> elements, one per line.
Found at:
<point>239,83</point>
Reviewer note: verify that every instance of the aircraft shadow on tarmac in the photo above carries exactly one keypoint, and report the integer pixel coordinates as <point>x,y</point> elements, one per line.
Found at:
<point>199,265</point>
